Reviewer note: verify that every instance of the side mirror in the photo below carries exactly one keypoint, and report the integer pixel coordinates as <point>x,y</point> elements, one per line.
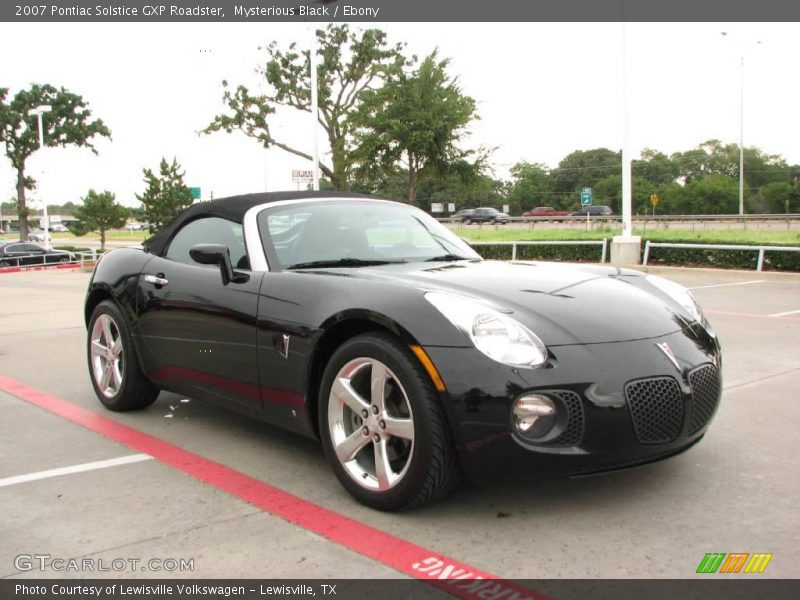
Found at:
<point>217,254</point>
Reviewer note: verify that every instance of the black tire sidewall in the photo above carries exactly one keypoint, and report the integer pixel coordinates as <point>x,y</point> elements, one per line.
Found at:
<point>136,391</point>
<point>422,398</point>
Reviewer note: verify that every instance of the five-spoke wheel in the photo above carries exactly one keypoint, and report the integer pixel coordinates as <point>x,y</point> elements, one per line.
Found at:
<point>107,358</point>
<point>382,425</point>
<point>371,423</point>
<point>114,368</point>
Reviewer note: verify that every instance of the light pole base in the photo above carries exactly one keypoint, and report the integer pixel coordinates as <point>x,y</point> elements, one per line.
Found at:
<point>626,250</point>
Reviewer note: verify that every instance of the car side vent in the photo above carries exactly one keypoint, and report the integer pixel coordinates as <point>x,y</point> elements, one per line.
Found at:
<point>705,395</point>
<point>656,408</point>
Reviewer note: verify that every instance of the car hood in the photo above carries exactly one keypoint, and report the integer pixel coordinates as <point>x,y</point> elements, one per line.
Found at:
<point>562,303</point>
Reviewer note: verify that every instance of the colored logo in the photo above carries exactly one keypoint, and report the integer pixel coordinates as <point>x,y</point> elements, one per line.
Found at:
<point>735,562</point>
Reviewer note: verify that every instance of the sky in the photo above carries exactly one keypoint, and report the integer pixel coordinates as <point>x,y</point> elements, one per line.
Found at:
<point>543,90</point>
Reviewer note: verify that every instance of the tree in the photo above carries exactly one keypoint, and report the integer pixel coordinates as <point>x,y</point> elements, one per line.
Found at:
<point>655,167</point>
<point>69,123</point>
<point>712,195</point>
<point>99,213</point>
<point>531,186</point>
<point>416,121</point>
<point>780,197</point>
<point>348,65</point>
<point>584,168</point>
<point>166,196</point>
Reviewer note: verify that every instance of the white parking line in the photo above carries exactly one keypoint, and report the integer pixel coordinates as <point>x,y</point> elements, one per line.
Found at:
<point>785,314</point>
<point>100,464</point>
<point>703,287</point>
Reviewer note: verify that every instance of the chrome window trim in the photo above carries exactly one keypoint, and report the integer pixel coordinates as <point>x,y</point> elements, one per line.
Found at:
<point>252,238</point>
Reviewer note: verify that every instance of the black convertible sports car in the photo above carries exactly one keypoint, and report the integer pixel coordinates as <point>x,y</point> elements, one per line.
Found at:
<point>369,325</point>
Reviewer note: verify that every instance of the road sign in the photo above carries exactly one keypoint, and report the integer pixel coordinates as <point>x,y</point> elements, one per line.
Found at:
<point>299,176</point>
<point>654,200</point>
<point>195,193</point>
<point>586,196</point>
<point>437,207</point>
<point>451,207</point>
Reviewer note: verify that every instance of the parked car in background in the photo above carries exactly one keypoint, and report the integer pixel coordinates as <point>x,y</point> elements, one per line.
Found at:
<point>462,215</point>
<point>545,211</point>
<point>39,235</point>
<point>20,254</point>
<point>136,226</point>
<point>595,211</point>
<point>59,228</point>
<point>486,214</point>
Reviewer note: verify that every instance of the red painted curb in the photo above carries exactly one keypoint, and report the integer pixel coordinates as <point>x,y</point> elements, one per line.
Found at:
<point>43,268</point>
<point>448,574</point>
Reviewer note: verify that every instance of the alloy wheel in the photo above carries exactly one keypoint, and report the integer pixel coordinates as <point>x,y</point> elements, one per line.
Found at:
<point>107,355</point>
<point>371,424</point>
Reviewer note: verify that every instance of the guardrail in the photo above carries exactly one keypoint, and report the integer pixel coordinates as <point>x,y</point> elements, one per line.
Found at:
<point>582,218</point>
<point>48,260</point>
<point>760,249</point>
<point>514,245</point>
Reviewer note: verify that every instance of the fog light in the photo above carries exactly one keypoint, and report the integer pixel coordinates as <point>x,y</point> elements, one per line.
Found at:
<point>535,415</point>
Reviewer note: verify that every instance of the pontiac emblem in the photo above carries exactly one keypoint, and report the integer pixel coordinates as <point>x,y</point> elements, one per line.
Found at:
<point>664,347</point>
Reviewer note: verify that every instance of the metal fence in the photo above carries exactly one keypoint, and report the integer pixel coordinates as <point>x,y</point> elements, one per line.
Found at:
<point>49,260</point>
<point>760,249</point>
<point>602,243</point>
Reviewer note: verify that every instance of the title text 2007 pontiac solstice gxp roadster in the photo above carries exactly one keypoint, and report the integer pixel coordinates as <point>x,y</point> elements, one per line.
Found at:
<point>369,325</point>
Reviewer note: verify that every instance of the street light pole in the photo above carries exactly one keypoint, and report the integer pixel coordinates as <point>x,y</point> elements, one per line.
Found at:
<point>39,111</point>
<point>314,108</point>
<point>741,137</point>
<point>741,126</point>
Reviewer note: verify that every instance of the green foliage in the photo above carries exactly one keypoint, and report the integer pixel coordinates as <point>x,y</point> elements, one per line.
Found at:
<point>532,185</point>
<point>99,213</point>
<point>548,253</point>
<point>69,123</point>
<point>779,197</point>
<point>585,168</point>
<point>723,259</point>
<point>414,122</point>
<point>349,63</point>
<point>165,196</point>
<point>712,195</point>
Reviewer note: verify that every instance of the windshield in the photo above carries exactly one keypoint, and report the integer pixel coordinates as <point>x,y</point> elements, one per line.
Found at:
<point>352,233</point>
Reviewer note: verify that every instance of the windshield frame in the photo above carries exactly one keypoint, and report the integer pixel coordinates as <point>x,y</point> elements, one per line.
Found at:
<point>259,242</point>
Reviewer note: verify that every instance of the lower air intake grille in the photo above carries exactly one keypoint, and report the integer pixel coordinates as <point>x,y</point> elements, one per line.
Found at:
<point>656,408</point>
<point>705,395</point>
<point>573,432</point>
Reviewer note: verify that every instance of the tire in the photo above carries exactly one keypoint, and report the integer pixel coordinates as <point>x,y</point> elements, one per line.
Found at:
<point>113,365</point>
<point>408,428</point>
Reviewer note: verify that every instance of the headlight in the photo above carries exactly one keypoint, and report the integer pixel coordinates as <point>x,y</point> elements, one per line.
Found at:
<point>498,336</point>
<point>680,294</point>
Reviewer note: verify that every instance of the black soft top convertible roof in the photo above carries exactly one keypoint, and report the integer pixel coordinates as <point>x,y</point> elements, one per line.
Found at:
<point>232,208</point>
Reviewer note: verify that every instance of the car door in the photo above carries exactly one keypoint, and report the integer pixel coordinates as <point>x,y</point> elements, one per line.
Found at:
<point>199,335</point>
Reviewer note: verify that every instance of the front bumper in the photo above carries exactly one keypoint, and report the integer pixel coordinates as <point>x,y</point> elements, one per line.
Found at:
<point>627,404</point>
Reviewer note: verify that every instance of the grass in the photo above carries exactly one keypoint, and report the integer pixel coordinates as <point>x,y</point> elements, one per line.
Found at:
<point>709,236</point>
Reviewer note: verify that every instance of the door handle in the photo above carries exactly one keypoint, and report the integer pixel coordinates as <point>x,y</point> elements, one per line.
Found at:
<point>156,280</point>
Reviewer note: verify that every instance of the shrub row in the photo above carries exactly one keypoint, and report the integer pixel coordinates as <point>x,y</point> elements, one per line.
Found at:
<point>690,257</point>
<point>723,259</point>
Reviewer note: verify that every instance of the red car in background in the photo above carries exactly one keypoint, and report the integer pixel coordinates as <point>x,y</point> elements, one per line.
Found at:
<point>545,211</point>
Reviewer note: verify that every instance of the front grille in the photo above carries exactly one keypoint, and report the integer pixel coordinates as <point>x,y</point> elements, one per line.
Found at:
<point>573,432</point>
<point>705,395</point>
<point>656,409</point>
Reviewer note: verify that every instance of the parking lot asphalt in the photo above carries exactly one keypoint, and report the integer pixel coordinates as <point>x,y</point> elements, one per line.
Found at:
<point>734,492</point>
